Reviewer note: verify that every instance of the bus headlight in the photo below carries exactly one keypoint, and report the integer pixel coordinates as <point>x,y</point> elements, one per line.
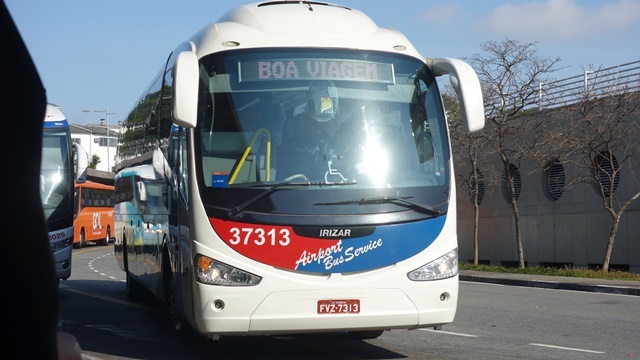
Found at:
<point>213,272</point>
<point>443,267</point>
<point>59,245</point>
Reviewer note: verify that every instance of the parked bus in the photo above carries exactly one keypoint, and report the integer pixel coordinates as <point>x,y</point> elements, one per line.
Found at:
<point>289,170</point>
<point>61,164</point>
<point>93,217</point>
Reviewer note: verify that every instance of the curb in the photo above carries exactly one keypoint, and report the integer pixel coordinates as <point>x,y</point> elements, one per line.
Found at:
<point>608,289</point>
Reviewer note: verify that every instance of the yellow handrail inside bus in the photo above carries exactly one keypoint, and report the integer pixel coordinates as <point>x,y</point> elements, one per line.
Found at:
<point>246,153</point>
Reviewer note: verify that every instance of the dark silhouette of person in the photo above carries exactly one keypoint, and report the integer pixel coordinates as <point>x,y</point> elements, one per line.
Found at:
<point>31,284</point>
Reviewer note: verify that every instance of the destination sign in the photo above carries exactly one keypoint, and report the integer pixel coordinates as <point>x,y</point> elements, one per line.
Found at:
<point>316,69</point>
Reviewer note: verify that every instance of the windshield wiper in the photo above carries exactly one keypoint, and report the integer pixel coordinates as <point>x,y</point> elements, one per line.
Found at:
<point>234,211</point>
<point>402,200</point>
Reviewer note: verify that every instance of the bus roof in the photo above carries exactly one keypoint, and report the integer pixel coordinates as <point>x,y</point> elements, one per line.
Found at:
<point>298,24</point>
<point>94,185</point>
<point>54,116</point>
<point>145,171</point>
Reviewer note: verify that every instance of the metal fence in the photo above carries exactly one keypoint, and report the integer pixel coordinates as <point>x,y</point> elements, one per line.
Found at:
<point>592,83</point>
<point>595,83</point>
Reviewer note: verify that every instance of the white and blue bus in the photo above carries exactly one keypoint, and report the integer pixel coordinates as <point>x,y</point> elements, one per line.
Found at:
<point>60,164</point>
<point>289,170</point>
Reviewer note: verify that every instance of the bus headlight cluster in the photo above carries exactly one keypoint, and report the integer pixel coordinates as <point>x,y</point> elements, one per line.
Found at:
<point>443,267</point>
<point>59,245</point>
<point>213,272</point>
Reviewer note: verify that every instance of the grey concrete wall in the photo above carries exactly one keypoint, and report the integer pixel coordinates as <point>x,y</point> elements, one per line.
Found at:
<point>574,229</point>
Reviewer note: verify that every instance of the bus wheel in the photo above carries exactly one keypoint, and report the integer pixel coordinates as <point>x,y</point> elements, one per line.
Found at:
<point>364,335</point>
<point>135,291</point>
<point>77,245</point>
<point>105,241</point>
<point>180,326</point>
<point>82,243</point>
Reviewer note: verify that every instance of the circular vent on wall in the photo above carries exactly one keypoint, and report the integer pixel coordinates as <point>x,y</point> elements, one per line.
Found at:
<point>514,173</point>
<point>556,179</point>
<point>480,182</point>
<point>607,172</point>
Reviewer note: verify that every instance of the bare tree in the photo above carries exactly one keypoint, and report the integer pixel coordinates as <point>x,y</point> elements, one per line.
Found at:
<point>469,159</point>
<point>599,136</point>
<point>510,72</point>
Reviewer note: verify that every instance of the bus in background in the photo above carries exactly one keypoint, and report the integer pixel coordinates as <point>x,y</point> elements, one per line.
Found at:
<point>289,170</point>
<point>93,214</point>
<point>62,163</point>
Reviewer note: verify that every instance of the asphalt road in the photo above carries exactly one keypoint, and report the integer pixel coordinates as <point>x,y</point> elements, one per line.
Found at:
<point>494,321</point>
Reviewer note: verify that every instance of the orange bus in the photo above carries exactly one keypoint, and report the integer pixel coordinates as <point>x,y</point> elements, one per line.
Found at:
<point>93,215</point>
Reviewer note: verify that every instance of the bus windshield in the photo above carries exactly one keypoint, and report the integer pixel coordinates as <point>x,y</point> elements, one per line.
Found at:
<point>371,121</point>
<point>55,189</point>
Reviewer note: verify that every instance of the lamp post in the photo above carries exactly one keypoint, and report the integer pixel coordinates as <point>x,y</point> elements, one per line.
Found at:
<point>106,115</point>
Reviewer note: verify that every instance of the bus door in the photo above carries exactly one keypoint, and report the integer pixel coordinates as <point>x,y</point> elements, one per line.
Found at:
<point>179,214</point>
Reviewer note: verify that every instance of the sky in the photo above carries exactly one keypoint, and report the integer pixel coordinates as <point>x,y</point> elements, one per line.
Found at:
<point>101,55</point>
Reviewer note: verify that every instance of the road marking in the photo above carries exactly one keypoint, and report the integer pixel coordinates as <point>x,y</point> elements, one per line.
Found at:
<point>449,333</point>
<point>92,268</point>
<point>568,348</point>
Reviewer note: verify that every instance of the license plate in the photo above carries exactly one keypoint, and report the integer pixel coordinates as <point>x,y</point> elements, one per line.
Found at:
<point>350,306</point>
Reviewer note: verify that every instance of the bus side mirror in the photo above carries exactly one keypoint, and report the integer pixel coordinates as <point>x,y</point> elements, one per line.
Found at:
<point>186,78</point>
<point>467,86</point>
<point>81,163</point>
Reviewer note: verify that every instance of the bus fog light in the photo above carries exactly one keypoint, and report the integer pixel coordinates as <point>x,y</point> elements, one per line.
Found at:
<point>443,267</point>
<point>218,304</point>
<point>444,296</point>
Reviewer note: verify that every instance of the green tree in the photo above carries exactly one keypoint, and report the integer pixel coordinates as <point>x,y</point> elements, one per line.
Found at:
<point>95,160</point>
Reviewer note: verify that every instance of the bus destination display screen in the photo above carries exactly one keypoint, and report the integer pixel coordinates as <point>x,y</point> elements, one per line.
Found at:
<point>316,69</point>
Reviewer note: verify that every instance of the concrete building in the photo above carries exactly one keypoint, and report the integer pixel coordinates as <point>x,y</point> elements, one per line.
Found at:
<point>562,227</point>
<point>96,141</point>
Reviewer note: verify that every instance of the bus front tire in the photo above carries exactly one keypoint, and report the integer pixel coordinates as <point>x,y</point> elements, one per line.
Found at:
<point>180,325</point>
<point>135,291</point>
<point>105,241</point>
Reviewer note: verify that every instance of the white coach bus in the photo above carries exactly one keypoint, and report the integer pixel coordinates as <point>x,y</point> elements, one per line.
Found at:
<point>289,170</point>
<point>61,164</point>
